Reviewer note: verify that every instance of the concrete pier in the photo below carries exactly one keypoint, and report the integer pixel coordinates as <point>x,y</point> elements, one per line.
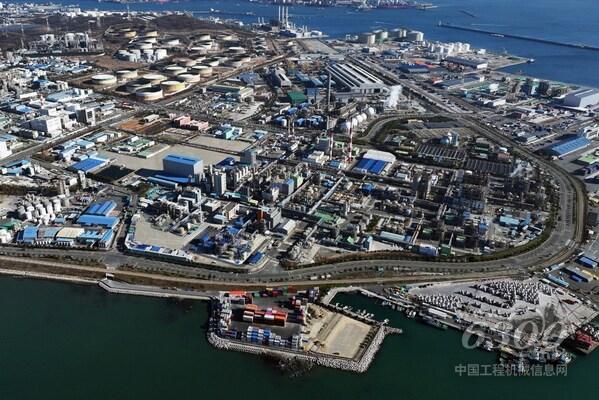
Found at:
<point>143,290</point>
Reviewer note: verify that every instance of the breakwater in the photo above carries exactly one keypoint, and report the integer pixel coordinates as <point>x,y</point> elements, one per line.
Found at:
<point>359,366</point>
<point>520,37</point>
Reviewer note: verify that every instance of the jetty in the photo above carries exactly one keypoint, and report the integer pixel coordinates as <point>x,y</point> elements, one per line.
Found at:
<point>113,286</point>
<point>520,37</point>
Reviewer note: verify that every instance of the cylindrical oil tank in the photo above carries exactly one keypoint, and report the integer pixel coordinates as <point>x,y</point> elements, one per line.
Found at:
<point>104,79</point>
<point>143,46</point>
<point>236,49</point>
<point>175,70</point>
<point>147,39</point>
<point>203,70</point>
<point>169,87</point>
<point>151,93</point>
<point>153,79</point>
<point>186,62</point>
<point>160,54</point>
<point>126,74</point>
<point>189,78</point>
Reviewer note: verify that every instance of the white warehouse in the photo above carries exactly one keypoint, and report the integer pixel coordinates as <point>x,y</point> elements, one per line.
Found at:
<point>582,98</point>
<point>356,79</point>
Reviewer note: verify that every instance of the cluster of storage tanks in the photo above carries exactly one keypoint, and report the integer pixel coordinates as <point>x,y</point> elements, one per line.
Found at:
<point>145,47</point>
<point>381,35</point>
<point>193,68</point>
<point>449,49</point>
<point>172,79</point>
<point>40,209</point>
<point>142,53</point>
<point>357,120</point>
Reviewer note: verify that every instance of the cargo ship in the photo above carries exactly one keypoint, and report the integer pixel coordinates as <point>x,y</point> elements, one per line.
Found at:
<point>584,340</point>
<point>405,5</point>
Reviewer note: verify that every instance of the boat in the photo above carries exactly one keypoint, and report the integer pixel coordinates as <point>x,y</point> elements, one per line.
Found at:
<point>497,35</point>
<point>433,322</point>
<point>488,345</point>
<point>530,60</point>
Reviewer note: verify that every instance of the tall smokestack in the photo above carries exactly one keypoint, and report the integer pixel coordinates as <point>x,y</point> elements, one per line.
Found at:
<point>329,94</point>
<point>279,18</point>
<point>286,16</point>
<point>351,136</point>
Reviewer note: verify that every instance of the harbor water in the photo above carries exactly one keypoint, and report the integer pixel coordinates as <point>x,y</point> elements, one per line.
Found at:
<point>572,21</point>
<point>66,341</point>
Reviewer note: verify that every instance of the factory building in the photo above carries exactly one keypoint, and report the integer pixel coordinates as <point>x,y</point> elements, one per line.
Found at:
<point>468,62</point>
<point>249,157</point>
<point>181,166</point>
<point>375,162</point>
<point>239,92</point>
<point>4,150</point>
<point>582,98</point>
<point>280,79</point>
<point>219,182</point>
<point>356,79</point>
<point>47,124</point>
<point>568,146</point>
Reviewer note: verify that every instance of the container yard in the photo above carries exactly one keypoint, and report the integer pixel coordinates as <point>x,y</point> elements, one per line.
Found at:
<point>287,323</point>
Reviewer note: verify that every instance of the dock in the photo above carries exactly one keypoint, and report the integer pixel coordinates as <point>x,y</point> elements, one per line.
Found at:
<point>520,37</point>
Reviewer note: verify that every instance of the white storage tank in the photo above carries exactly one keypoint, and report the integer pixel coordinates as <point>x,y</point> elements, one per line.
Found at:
<point>104,79</point>
<point>175,70</point>
<point>57,206</point>
<point>126,74</point>
<point>147,39</point>
<point>381,35</point>
<point>133,87</point>
<point>143,46</point>
<point>367,38</point>
<point>169,87</point>
<point>189,78</point>
<point>345,126</point>
<point>160,54</point>
<point>236,49</point>
<point>153,79</point>
<point>151,93</point>
<point>186,62</point>
<point>172,42</point>
<point>203,70</point>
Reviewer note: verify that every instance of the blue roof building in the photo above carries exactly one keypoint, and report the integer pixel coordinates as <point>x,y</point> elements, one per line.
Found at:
<point>103,208</point>
<point>178,165</point>
<point>569,146</point>
<point>90,164</point>
<point>97,220</point>
<point>506,220</point>
<point>28,235</point>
